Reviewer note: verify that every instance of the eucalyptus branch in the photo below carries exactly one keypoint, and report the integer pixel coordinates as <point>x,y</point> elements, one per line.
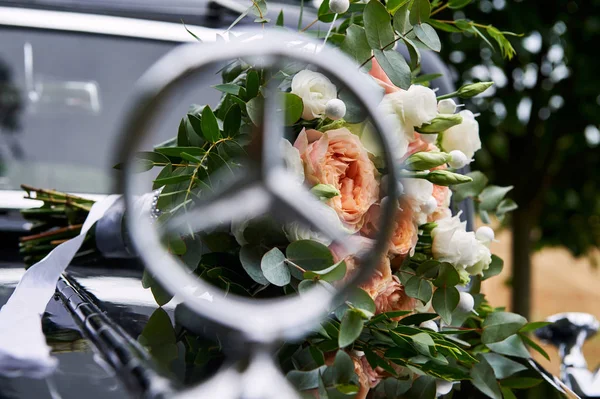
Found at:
<point>439,9</point>
<point>385,47</point>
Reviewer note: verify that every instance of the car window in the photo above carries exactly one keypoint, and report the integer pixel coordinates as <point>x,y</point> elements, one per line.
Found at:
<point>62,95</point>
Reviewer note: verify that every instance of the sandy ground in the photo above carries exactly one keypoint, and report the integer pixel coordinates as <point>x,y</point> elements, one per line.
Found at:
<point>561,283</point>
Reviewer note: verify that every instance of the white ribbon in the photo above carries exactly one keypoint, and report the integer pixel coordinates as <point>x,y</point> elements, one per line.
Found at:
<point>23,348</point>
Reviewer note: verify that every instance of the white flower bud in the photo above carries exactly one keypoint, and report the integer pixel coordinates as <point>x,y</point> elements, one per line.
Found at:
<point>430,325</point>
<point>458,160</point>
<point>429,206</point>
<point>315,90</point>
<point>447,106</point>
<point>485,234</point>
<point>466,303</point>
<point>339,6</point>
<point>335,109</point>
<point>442,387</point>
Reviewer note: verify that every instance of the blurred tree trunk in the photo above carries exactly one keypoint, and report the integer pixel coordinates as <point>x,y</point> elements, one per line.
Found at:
<point>522,224</point>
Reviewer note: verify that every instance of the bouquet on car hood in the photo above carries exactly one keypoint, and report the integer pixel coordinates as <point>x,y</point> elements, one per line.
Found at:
<point>420,324</point>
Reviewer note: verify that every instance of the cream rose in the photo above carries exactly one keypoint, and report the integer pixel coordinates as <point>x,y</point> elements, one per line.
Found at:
<point>338,158</point>
<point>463,137</point>
<point>417,193</point>
<point>315,90</point>
<point>453,244</point>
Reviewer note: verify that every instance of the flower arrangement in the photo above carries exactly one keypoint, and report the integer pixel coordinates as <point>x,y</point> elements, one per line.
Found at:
<point>420,324</point>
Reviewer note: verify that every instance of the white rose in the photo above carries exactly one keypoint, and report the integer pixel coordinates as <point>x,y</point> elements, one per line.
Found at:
<point>418,192</point>
<point>406,109</point>
<point>292,160</point>
<point>315,90</point>
<point>453,244</point>
<point>463,137</point>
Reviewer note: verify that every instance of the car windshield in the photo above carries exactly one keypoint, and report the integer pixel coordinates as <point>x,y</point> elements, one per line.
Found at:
<point>62,96</point>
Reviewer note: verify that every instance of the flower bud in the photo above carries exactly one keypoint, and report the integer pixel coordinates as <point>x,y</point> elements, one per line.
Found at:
<point>429,206</point>
<point>325,191</point>
<point>466,302</point>
<point>458,159</point>
<point>442,387</point>
<point>440,123</point>
<point>447,106</point>
<point>339,6</point>
<point>426,160</point>
<point>335,109</point>
<point>430,325</point>
<point>446,178</point>
<point>473,89</point>
<point>485,234</point>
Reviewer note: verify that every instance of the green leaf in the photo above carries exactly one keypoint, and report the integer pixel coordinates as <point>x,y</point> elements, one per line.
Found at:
<point>428,36</point>
<point>306,285</point>
<point>309,255</point>
<point>355,44</point>
<point>317,355</point>
<point>533,326</point>
<point>418,318</point>
<point>417,287</point>
<point>494,269</point>
<point>176,151</point>
<point>232,122</point>
<point>491,196</point>
<point>500,325</point>
<point>483,378</point>
<point>393,5</point>
<point>505,206</point>
<point>456,4</point>
<point>392,388</point>
<point>351,327</point>
<point>161,295</point>
<point>419,12</point>
<point>423,342</point>
<point>503,366</point>
<point>279,21</point>
<point>293,107</point>
<point>250,258</point>
<point>428,269</point>
<point>471,189</point>
<point>534,346</point>
<point>447,276</point>
<point>422,388</point>
<point>337,273</point>
<point>414,53</point>
<point>210,126</point>
<point>274,268</point>
<point>507,393</point>
<point>228,88</point>
<point>343,368</point>
<point>255,107</point>
<point>304,380</point>
<point>445,300</point>
<point>177,245</point>
<point>252,84</point>
<point>428,77</point>
<point>377,25</point>
<point>395,66</point>
<point>171,180</point>
<point>511,346</point>
<point>520,382</point>
<point>401,20</point>
<point>446,27</point>
<point>362,301</point>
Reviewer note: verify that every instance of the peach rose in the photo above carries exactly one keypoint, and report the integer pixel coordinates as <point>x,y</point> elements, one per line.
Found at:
<point>405,233</point>
<point>338,158</point>
<point>393,298</point>
<point>381,77</point>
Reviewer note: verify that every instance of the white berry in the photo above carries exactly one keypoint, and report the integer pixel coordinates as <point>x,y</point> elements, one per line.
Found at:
<point>442,387</point>
<point>429,206</point>
<point>485,234</point>
<point>458,159</point>
<point>430,325</point>
<point>429,138</point>
<point>339,6</point>
<point>447,106</point>
<point>466,302</point>
<point>335,109</point>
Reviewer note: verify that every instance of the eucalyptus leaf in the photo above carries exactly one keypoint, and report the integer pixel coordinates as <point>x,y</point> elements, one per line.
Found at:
<point>491,196</point>
<point>309,255</point>
<point>401,20</point>
<point>447,277</point>
<point>482,376</point>
<point>494,269</point>
<point>419,11</point>
<point>395,66</point>
<point>470,189</point>
<point>232,122</point>
<point>351,327</point>
<point>355,44</point>
<point>503,366</point>
<point>417,287</point>
<point>274,268</point>
<point>500,325</point>
<point>250,258</point>
<point>210,126</point>
<point>428,36</point>
<point>304,380</point>
<point>521,382</point>
<point>377,25</point>
<point>230,88</point>
<point>445,300</point>
<point>511,346</point>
